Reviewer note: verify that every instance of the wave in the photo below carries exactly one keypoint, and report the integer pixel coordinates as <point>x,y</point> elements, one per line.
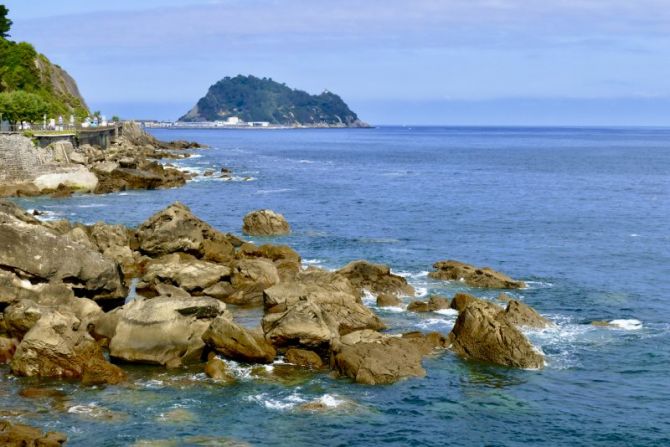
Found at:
<point>627,325</point>
<point>273,191</point>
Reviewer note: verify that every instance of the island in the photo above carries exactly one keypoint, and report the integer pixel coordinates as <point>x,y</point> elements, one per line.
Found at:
<point>250,101</point>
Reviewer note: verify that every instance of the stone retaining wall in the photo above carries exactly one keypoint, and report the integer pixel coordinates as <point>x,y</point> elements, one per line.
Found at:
<point>21,161</point>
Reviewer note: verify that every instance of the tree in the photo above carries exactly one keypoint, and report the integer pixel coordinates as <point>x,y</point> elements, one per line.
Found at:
<point>5,23</point>
<point>21,106</point>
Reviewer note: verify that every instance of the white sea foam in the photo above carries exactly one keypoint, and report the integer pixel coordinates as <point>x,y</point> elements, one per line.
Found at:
<point>368,298</point>
<point>628,325</point>
<point>430,323</point>
<point>83,409</point>
<point>306,161</point>
<point>448,312</point>
<point>92,205</point>
<point>312,261</point>
<point>330,401</point>
<point>538,284</point>
<point>420,291</point>
<point>396,309</point>
<point>273,191</point>
<point>285,403</point>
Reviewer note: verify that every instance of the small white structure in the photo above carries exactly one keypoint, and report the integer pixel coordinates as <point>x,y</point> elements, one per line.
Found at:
<point>233,121</point>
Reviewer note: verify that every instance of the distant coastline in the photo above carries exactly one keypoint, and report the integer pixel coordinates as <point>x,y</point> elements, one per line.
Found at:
<point>261,125</point>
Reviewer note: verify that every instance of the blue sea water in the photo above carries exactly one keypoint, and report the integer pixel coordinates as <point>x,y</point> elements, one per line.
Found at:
<point>580,214</point>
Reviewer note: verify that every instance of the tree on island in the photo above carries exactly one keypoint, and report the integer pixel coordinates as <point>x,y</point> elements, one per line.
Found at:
<point>19,106</point>
<point>5,23</point>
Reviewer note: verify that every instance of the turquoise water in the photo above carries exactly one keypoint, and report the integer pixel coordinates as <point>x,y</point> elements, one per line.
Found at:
<point>580,214</point>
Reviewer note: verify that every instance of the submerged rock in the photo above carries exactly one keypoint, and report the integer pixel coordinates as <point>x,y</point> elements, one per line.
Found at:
<point>474,276</point>
<point>377,278</point>
<point>163,330</point>
<point>217,369</point>
<point>479,334</point>
<point>265,223</point>
<point>21,435</point>
<point>238,343</point>
<point>372,358</point>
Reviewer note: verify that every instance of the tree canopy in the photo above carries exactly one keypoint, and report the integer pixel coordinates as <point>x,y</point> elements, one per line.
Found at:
<point>5,23</point>
<point>19,106</point>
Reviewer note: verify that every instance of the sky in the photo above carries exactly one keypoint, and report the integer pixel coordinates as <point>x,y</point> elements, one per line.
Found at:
<point>412,62</point>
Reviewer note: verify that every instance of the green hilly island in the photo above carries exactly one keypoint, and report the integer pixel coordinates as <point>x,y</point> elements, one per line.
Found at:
<point>253,99</point>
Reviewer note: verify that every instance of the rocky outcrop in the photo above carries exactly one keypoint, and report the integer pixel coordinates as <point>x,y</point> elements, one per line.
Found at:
<point>433,304</point>
<point>238,343</point>
<point>372,358</point>
<point>286,260</point>
<point>57,346</point>
<point>474,276</point>
<point>21,435</point>
<point>479,334</point>
<point>377,278</point>
<point>163,330</point>
<point>462,300</point>
<point>250,277</point>
<point>385,300</point>
<point>147,175</point>
<point>304,358</point>
<point>176,229</point>
<point>34,255</point>
<point>183,271</point>
<point>265,223</point>
<point>315,308</point>
<point>217,369</point>
<point>522,315</point>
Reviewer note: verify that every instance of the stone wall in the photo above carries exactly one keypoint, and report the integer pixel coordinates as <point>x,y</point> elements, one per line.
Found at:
<point>21,161</point>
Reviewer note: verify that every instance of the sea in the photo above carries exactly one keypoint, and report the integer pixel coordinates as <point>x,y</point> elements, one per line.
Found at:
<point>581,214</point>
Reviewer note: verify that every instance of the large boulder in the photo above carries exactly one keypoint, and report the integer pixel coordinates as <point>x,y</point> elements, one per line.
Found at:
<point>315,308</point>
<point>265,223</point>
<point>250,277</point>
<point>163,330</point>
<point>176,229</point>
<point>21,435</point>
<point>57,346</point>
<point>372,358</point>
<point>181,270</point>
<point>238,343</point>
<point>286,259</point>
<point>38,255</point>
<point>474,276</point>
<point>522,315</point>
<point>480,335</point>
<point>433,304</point>
<point>303,324</point>
<point>304,358</point>
<point>462,300</point>
<point>113,241</point>
<point>22,315</point>
<point>377,278</point>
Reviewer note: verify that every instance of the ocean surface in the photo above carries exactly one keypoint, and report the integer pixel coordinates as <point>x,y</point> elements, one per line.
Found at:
<point>582,215</point>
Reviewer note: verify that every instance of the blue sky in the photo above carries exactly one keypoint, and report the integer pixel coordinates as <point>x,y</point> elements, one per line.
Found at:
<point>561,62</point>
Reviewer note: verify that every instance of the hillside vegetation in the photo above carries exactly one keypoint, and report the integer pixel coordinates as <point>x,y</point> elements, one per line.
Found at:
<point>262,99</point>
<point>29,78</point>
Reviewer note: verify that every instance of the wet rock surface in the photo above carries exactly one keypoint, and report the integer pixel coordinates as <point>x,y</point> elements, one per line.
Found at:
<point>474,276</point>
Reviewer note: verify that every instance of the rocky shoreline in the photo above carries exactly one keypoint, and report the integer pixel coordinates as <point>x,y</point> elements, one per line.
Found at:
<point>65,311</point>
<point>133,161</point>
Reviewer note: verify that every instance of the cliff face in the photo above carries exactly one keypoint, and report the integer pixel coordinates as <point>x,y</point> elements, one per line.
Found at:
<point>62,84</point>
<point>254,99</point>
<point>22,68</point>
